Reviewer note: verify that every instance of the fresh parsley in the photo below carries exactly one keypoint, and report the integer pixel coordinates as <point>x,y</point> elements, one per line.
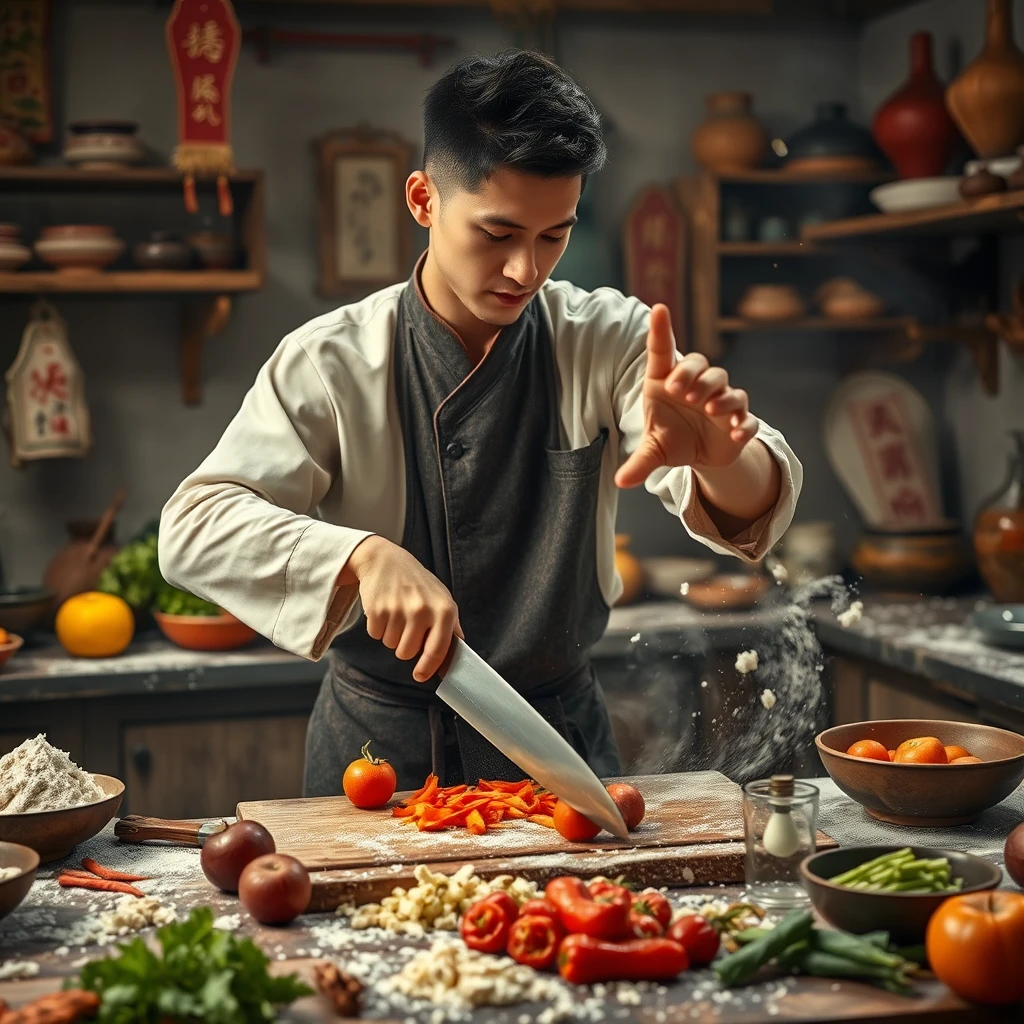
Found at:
<point>202,974</point>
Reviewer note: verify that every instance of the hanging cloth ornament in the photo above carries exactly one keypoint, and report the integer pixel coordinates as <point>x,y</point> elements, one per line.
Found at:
<point>203,38</point>
<point>46,416</point>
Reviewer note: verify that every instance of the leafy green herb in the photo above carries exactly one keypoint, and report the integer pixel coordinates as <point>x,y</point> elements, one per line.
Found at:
<point>202,974</point>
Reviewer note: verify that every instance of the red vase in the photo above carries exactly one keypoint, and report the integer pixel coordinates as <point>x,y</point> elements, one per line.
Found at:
<point>913,127</point>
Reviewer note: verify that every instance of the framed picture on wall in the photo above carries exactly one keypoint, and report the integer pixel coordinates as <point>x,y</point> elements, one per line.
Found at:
<point>364,227</point>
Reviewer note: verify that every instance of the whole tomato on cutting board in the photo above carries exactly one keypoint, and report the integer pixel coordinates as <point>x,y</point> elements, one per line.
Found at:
<point>369,781</point>
<point>975,945</point>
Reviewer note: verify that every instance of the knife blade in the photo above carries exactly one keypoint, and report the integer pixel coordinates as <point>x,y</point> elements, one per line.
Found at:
<point>473,690</point>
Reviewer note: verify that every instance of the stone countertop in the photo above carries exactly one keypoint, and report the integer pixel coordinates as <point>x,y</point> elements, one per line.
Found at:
<point>47,933</point>
<point>43,670</point>
<point>929,637</point>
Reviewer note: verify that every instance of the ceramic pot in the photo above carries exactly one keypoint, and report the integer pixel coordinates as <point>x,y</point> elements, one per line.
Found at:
<point>842,298</point>
<point>162,251</point>
<point>79,248</point>
<point>70,572</point>
<point>987,97</point>
<point>832,143</point>
<point>99,150</point>
<point>771,302</point>
<point>928,560</point>
<point>999,532</point>
<point>913,127</point>
<point>14,147</point>
<point>215,251</point>
<point>731,139</point>
<point>629,569</point>
<point>12,253</point>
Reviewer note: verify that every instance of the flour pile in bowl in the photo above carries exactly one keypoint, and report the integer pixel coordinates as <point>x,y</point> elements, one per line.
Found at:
<point>38,777</point>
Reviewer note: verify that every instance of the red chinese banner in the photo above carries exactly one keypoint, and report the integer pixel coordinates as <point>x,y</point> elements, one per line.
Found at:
<point>203,39</point>
<point>895,463</point>
<point>655,238</point>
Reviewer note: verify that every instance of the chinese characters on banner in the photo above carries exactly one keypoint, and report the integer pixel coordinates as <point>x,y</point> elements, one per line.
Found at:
<point>895,464</point>
<point>25,89</point>
<point>203,39</point>
<point>48,417</point>
<point>655,237</point>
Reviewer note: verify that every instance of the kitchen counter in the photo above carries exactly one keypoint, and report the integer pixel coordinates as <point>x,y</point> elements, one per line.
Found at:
<point>40,932</point>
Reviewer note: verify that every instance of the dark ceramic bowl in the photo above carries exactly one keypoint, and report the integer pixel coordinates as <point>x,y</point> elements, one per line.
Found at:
<point>924,795</point>
<point>1001,625</point>
<point>832,135</point>
<point>903,915</point>
<point>24,608</point>
<point>14,890</point>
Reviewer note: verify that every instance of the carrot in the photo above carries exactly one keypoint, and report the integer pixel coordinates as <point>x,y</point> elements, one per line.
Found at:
<point>111,874</point>
<point>68,881</point>
<point>56,1008</point>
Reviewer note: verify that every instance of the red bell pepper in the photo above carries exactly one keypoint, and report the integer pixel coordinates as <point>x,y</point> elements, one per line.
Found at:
<point>539,908</point>
<point>645,926</point>
<point>485,927</point>
<point>503,900</point>
<point>534,940</point>
<point>584,960</point>
<point>652,902</point>
<point>603,917</point>
<point>696,935</point>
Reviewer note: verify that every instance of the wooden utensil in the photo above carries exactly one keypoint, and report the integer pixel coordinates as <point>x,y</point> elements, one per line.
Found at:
<point>136,828</point>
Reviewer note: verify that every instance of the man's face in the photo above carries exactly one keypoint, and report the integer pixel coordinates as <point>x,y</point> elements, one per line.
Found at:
<point>497,246</point>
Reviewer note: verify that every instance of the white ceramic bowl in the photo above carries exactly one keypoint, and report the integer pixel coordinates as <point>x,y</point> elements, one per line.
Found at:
<point>102,149</point>
<point>664,576</point>
<point>79,254</point>
<point>1001,166</point>
<point>916,194</point>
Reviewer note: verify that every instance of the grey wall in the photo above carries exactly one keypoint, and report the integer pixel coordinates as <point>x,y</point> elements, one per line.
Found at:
<point>975,423</point>
<point>649,80</point>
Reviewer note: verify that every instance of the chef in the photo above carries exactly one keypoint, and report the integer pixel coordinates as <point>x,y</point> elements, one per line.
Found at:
<point>444,457</point>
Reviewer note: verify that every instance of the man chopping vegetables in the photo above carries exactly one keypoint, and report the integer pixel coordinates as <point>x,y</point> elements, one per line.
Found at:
<point>444,456</point>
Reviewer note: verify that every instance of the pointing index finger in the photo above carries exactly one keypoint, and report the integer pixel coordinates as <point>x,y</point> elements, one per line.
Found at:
<point>661,344</point>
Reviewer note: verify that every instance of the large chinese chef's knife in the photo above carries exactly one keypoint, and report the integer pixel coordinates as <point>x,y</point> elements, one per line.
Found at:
<point>473,690</point>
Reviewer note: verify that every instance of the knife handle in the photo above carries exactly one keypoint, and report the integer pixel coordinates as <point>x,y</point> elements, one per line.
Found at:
<point>135,828</point>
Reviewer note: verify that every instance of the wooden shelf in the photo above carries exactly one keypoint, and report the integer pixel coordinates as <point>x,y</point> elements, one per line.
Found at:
<point>1001,212</point>
<point>781,177</point>
<point>59,177</point>
<point>769,249</point>
<point>135,282</point>
<point>735,324</point>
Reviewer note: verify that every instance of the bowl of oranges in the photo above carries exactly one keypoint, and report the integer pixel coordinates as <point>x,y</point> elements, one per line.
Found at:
<point>920,772</point>
<point>9,643</point>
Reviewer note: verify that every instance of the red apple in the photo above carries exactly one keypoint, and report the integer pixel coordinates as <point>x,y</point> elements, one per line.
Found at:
<point>225,854</point>
<point>629,802</point>
<point>275,888</point>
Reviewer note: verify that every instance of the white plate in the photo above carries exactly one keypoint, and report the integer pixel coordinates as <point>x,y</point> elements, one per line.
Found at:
<point>916,194</point>
<point>850,442</point>
<point>1001,166</point>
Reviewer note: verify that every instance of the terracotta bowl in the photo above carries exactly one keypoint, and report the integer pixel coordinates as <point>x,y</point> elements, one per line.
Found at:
<point>79,253</point>
<point>924,795</point>
<point>205,632</point>
<point>903,915</point>
<point>727,592</point>
<point>77,231</point>
<point>7,650</point>
<point>13,255</point>
<point>14,890</point>
<point>54,834</point>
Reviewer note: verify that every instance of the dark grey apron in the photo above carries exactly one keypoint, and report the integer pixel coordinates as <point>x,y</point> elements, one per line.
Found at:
<point>507,521</point>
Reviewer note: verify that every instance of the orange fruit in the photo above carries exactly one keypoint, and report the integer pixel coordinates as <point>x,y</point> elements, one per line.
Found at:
<point>5,637</point>
<point>953,752</point>
<point>969,759</point>
<point>572,825</point>
<point>892,755</point>
<point>871,749</point>
<point>94,625</point>
<point>921,750</point>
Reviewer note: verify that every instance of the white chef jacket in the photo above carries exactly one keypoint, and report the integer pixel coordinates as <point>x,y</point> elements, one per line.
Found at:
<point>314,462</point>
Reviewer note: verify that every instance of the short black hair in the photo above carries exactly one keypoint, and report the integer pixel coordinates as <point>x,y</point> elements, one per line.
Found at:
<point>515,109</point>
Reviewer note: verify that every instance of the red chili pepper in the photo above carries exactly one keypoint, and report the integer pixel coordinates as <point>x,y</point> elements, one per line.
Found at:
<point>503,900</point>
<point>485,927</point>
<point>539,908</point>
<point>606,917</point>
<point>695,934</point>
<point>583,960</point>
<point>645,926</point>
<point>652,902</point>
<point>534,940</point>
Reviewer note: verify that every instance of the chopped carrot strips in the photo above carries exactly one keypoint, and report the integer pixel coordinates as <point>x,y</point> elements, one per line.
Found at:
<point>475,823</point>
<point>542,819</point>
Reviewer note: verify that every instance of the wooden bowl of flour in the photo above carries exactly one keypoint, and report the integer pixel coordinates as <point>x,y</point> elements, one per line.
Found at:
<point>54,834</point>
<point>17,873</point>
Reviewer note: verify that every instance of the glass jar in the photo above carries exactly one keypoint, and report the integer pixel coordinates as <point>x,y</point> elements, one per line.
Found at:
<point>999,532</point>
<point>780,824</point>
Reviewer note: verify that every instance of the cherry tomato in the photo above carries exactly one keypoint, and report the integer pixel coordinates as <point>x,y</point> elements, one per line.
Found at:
<point>369,781</point>
<point>644,925</point>
<point>652,902</point>
<point>572,825</point>
<point>629,802</point>
<point>697,937</point>
<point>485,927</point>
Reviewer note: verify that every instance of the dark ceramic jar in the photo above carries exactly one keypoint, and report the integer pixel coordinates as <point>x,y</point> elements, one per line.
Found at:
<point>832,142</point>
<point>163,250</point>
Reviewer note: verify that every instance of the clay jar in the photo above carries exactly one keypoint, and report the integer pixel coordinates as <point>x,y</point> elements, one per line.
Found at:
<point>999,532</point>
<point>928,560</point>
<point>987,98</point>
<point>70,571</point>
<point>629,569</point>
<point>913,127</point>
<point>771,302</point>
<point>731,139</point>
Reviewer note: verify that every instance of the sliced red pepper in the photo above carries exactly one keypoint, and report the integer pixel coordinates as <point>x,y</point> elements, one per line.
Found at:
<point>534,940</point>
<point>485,927</point>
<point>652,902</point>
<point>644,925</point>
<point>584,960</point>
<point>580,913</point>
<point>503,900</point>
<point>539,908</point>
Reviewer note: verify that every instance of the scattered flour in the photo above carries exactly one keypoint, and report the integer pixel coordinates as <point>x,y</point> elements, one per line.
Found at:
<point>6,874</point>
<point>38,777</point>
<point>133,913</point>
<point>852,615</point>
<point>768,699</point>
<point>228,922</point>
<point>746,662</point>
<point>18,969</point>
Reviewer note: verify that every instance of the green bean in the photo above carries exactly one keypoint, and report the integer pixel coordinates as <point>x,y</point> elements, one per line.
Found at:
<point>829,965</point>
<point>861,870</point>
<point>854,948</point>
<point>742,965</point>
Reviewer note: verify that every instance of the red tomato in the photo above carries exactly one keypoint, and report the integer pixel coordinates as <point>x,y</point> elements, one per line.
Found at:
<point>503,900</point>
<point>652,902</point>
<point>369,781</point>
<point>629,802</point>
<point>534,940</point>
<point>697,937</point>
<point>645,926</point>
<point>572,825</point>
<point>539,908</point>
<point>485,927</point>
